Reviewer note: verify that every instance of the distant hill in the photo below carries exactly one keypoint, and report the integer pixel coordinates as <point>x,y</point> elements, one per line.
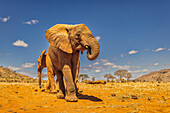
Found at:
<point>162,76</point>
<point>7,75</point>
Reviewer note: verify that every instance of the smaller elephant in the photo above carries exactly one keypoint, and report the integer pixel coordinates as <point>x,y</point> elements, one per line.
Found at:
<point>42,63</point>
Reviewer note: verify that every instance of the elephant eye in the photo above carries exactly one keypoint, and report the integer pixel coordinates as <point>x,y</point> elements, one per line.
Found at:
<point>78,34</point>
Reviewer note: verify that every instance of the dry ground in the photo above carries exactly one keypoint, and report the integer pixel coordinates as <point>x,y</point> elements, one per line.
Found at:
<point>108,98</point>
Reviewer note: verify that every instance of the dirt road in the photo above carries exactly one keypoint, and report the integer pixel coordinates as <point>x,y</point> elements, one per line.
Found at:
<point>108,98</point>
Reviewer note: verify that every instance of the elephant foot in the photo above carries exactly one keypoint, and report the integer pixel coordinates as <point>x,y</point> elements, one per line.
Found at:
<point>53,91</point>
<point>47,90</point>
<point>71,99</point>
<point>71,96</point>
<point>60,95</point>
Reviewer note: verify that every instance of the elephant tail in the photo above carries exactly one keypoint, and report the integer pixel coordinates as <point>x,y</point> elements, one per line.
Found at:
<point>41,65</point>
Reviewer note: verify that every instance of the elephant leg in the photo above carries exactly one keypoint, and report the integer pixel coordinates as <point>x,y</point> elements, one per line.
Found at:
<point>48,86</point>
<point>75,72</point>
<point>51,74</point>
<point>52,81</point>
<point>39,76</point>
<point>70,86</point>
<point>61,93</point>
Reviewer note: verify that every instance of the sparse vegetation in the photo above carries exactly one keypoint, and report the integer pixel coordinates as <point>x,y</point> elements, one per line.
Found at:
<point>109,76</point>
<point>93,78</point>
<point>123,73</point>
<point>7,75</point>
<point>156,76</point>
<point>83,77</point>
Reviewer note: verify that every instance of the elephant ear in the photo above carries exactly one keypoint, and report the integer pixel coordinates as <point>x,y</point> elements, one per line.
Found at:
<point>59,36</point>
<point>41,58</point>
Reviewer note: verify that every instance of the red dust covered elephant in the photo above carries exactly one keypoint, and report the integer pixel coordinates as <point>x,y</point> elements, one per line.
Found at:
<point>66,41</point>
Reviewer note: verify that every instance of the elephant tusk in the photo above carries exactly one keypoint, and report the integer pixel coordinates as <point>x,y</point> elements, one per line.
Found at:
<point>86,47</point>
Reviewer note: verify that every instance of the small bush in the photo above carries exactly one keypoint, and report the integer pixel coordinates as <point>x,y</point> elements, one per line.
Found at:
<point>112,81</point>
<point>123,80</point>
<point>134,80</point>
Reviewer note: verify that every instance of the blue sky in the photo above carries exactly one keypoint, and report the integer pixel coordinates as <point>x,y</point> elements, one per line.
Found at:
<point>133,34</point>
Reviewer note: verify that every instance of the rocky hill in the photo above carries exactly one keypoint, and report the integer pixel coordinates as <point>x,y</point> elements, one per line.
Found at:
<point>160,76</point>
<point>7,75</point>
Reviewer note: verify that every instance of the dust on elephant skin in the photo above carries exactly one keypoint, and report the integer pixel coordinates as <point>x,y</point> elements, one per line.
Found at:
<point>66,41</point>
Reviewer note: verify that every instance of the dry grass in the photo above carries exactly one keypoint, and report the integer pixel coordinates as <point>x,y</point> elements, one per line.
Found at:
<point>96,98</point>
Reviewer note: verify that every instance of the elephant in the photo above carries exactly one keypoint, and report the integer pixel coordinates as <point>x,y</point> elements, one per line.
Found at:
<point>42,63</point>
<point>65,43</point>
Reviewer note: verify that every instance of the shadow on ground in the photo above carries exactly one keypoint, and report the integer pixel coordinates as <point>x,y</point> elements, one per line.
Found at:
<point>91,98</point>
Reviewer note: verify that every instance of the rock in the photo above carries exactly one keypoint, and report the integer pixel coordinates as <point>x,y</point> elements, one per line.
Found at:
<point>149,98</point>
<point>20,97</point>
<point>0,105</point>
<point>125,97</point>
<point>16,92</point>
<point>10,110</point>
<point>26,109</point>
<point>39,106</point>
<point>113,95</point>
<point>46,106</point>
<point>36,89</point>
<point>134,97</point>
<point>163,98</point>
<point>42,90</point>
<point>21,108</point>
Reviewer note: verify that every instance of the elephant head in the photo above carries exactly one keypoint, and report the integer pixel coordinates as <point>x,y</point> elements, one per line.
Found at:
<point>70,38</point>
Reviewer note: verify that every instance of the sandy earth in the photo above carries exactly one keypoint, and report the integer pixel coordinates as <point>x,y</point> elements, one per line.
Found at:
<point>108,98</point>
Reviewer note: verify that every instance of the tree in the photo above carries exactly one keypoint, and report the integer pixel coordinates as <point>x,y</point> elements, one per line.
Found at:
<point>109,76</point>
<point>83,76</point>
<point>128,76</point>
<point>123,73</point>
<point>93,78</point>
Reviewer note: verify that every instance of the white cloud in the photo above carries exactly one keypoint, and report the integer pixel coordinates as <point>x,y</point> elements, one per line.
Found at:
<point>159,49</point>
<point>96,63</point>
<point>98,67</point>
<point>114,58</point>
<point>28,65</point>
<point>15,68</point>
<point>140,71</point>
<point>97,38</point>
<point>156,64</point>
<point>97,71</point>
<point>125,66</point>
<point>133,52</point>
<point>20,43</point>
<point>31,22</point>
<point>4,19</point>
<point>109,64</point>
<point>117,66</point>
<point>104,60</point>
<point>90,65</point>
<point>121,55</point>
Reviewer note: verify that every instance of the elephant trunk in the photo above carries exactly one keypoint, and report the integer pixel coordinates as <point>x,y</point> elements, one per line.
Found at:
<point>93,49</point>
